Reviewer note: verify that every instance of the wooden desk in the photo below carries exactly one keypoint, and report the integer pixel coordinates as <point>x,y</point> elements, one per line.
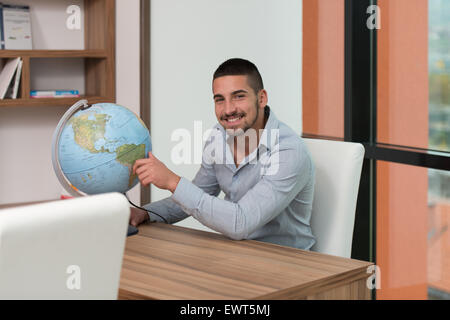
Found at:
<point>14,205</point>
<point>170,262</point>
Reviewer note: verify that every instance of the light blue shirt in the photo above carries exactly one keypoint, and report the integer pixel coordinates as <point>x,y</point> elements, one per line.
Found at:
<point>268,197</point>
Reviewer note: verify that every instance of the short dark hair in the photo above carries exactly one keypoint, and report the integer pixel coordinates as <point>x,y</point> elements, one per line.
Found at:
<point>241,67</point>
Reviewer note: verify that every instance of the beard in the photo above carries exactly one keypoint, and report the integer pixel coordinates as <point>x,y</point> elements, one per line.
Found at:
<point>241,131</point>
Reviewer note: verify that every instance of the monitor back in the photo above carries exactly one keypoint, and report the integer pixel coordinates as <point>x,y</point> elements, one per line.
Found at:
<point>68,249</point>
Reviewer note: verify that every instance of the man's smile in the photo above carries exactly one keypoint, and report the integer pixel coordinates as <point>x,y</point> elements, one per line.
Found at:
<point>234,119</point>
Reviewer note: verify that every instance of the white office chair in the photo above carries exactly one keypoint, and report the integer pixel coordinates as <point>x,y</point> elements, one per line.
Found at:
<point>338,171</point>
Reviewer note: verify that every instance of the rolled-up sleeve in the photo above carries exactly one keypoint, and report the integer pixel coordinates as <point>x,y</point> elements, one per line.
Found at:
<point>258,206</point>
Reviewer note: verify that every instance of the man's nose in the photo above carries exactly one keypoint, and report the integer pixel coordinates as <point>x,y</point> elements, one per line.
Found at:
<point>230,108</point>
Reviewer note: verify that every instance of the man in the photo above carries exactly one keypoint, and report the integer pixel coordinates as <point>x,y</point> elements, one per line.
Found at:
<point>264,169</point>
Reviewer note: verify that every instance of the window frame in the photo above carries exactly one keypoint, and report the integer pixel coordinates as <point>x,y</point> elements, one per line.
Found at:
<point>360,123</point>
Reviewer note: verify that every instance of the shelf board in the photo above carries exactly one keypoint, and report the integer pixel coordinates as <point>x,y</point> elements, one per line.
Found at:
<point>54,53</point>
<point>40,102</point>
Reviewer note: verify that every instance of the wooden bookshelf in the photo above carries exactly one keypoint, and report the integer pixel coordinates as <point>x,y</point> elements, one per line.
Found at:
<point>98,55</point>
<point>53,53</point>
<point>39,102</point>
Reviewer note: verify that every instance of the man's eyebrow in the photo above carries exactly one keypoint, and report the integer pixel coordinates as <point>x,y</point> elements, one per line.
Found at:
<point>233,93</point>
<point>239,91</point>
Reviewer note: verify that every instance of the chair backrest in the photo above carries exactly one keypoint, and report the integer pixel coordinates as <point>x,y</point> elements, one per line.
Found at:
<point>338,171</point>
<point>68,249</point>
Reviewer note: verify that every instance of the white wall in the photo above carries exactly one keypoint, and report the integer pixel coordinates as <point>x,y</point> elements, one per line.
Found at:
<point>128,63</point>
<point>26,172</point>
<point>189,39</point>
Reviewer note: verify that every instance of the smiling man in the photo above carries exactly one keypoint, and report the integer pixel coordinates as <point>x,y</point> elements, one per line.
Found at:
<point>262,166</point>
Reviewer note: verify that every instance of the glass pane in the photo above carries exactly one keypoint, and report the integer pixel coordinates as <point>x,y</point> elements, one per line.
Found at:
<point>323,67</point>
<point>439,73</point>
<point>413,74</point>
<point>439,235</point>
<point>413,238</point>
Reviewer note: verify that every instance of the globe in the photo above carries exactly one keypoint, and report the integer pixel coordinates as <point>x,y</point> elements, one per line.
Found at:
<point>95,148</point>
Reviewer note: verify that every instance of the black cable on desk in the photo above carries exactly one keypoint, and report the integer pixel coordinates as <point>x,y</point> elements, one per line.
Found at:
<point>147,210</point>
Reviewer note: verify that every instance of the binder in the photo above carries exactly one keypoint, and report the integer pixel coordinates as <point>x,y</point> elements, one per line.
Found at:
<point>16,27</point>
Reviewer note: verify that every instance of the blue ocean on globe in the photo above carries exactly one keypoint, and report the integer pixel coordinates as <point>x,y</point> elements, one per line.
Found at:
<point>98,147</point>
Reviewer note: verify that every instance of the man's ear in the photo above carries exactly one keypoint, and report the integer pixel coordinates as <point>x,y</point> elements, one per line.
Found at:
<point>262,98</point>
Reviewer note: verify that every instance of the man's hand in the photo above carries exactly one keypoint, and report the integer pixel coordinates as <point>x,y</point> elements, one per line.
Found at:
<point>153,171</point>
<point>138,216</point>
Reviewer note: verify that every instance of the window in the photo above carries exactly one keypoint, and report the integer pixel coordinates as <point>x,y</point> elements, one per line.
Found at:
<point>413,109</point>
<point>397,104</point>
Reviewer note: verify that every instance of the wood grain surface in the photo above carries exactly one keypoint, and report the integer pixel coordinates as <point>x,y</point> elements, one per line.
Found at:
<point>96,53</point>
<point>170,262</point>
<point>39,102</point>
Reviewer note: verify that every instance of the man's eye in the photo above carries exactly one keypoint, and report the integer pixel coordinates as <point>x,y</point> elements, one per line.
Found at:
<point>239,96</point>
<point>219,100</point>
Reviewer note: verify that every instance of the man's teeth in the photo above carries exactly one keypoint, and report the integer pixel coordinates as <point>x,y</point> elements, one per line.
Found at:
<point>233,119</point>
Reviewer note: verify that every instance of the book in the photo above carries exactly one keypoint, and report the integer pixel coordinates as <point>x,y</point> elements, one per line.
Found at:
<point>56,97</point>
<point>17,27</point>
<point>17,79</point>
<point>2,34</point>
<point>53,93</point>
<point>11,92</point>
<point>7,75</point>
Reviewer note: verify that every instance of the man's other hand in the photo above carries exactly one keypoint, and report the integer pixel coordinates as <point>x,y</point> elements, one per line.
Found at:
<point>138,216</point>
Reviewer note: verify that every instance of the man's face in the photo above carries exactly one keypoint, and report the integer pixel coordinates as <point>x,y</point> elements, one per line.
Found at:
<point>236,103</point>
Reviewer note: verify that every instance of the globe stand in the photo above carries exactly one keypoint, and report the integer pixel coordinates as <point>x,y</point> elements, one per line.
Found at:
<point>71,189</point>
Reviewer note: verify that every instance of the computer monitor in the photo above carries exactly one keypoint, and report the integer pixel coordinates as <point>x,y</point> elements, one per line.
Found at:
<point>68,249</point>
